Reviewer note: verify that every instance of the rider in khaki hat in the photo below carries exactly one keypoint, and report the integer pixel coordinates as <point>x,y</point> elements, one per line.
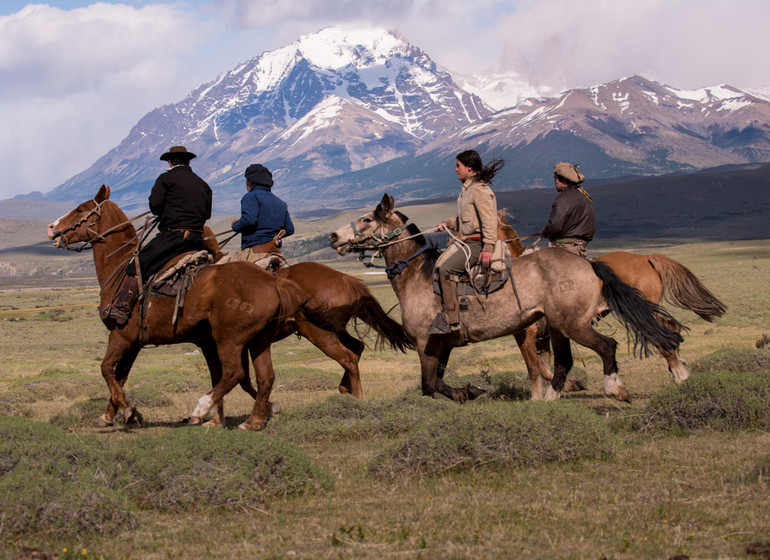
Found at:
<point>572,222</point>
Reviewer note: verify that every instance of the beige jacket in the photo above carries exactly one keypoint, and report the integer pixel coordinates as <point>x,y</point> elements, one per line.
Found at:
<point>476,213</point>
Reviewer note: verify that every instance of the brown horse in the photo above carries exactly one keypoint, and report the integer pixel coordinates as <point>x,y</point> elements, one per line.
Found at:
<point>335,298</point>
<point>565,289</point>
<point>657,277</point>
<point>229,311</point>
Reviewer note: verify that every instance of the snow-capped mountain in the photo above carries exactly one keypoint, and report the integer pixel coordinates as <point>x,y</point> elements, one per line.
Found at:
<point>628,126</point>
<point>328,104</point>
<point>341,116</point>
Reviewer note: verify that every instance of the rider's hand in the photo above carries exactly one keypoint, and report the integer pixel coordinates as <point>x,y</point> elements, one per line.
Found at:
<point>486,258</point>
<point>440,227</point>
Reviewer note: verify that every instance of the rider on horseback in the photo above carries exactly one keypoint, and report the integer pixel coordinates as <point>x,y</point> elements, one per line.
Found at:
<point>476,224</point>
<point>182,202</point>
<point>572,222</point>
<point>264,218</point>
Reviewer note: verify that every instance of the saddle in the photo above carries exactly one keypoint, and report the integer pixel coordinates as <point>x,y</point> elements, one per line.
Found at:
<point>482,280</point>
<point>173,280</point>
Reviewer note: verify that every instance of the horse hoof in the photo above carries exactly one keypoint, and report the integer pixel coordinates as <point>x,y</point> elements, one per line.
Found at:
<point>104,421</point>
<point>194,421</point>
<point>475,392</point>
<point>574,385</point>
<point>252,426</point>
<point>551,394</point>
<point>212,424</point>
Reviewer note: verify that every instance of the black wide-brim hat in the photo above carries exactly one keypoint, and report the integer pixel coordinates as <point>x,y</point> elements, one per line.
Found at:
<point>179,152</point>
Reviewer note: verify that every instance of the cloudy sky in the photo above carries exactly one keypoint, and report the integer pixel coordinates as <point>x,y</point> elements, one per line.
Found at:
<point>75,76</point>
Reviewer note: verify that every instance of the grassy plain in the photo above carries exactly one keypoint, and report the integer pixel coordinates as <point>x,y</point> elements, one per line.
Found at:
<point>645,495</point>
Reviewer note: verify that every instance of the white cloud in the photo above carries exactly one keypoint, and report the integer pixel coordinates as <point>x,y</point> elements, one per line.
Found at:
<point>73,82</point>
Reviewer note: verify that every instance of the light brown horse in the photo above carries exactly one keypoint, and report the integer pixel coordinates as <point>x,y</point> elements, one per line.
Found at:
<point>565,289</point>
<point>657,277</point>
<point>229,311</point>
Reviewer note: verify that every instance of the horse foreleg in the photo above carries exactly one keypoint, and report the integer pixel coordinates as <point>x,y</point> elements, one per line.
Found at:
<point>116,365</point>
<point>562,364</point>
<point>263,366</point>
<point>433,361</point>
<point>527,341</point>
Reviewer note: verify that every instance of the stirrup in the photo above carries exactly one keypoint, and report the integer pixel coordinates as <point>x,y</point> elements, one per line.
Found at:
<point>440,325</point>
<point>118,315</point>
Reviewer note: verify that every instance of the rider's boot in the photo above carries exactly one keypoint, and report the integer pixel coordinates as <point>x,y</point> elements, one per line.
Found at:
<point>120,312</point>
<point>447,321</point>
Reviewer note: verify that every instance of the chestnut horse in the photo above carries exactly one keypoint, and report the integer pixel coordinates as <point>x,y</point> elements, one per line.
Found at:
<point>334,299</point>
<point>229,311</point>
<point>657,277</point>
<point>567,290</point>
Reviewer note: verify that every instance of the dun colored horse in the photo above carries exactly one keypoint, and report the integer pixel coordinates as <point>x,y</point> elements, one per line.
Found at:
<point>657,277</point>
<point>229,311</point>
<point>566,289</point>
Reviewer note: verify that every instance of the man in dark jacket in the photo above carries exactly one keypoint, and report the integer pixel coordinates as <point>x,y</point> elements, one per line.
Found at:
<point>264,217</point>
<point>572,222</point>
<point>182,202</point>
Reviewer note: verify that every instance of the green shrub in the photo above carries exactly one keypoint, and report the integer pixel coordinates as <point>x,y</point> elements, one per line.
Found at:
<point>510,434</point>
<point>342,417</point>
<point>148,395</point>
<point>58,483</point>
<point>306,379</point>
<point>190,468</point>
<point>763,342</point>
<point>13,400</point>
<point>735,360</point>
<point>82,413</point>
<point>721,400</point>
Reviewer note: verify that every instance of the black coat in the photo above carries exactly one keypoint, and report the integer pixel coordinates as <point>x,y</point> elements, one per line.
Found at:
<point>181,199</point>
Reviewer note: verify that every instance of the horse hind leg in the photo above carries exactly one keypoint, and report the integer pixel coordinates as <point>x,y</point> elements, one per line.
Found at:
<point>263,366</point>
<point>606,347</point>
<point>676,365</point>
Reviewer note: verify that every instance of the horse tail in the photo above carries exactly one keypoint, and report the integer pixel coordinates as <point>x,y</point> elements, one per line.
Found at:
<point>636,312</point>
<point>682,288</point>
<point>369,310</point>
<point>291,298</point>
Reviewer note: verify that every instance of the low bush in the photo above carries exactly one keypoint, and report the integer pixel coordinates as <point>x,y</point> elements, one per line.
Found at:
<point>306,379</point>
<point>79,414</point>
<point>192,468</point>
<point>56,483</point>
<point>729,397</point>
<point>507,434</point>
<point>734,360</point>
<point>760,472</point>
<point>343,417</point>
<point>148,395</point>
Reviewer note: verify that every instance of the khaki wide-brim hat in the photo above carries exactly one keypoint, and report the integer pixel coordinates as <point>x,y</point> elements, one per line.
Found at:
<point>569,172</point>
<point>178,152</point>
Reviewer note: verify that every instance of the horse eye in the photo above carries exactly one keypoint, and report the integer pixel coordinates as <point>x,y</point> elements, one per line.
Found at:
<point>367,220</point>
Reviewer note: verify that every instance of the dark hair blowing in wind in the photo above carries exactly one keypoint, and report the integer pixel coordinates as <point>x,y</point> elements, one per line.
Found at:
<point>472,160</point>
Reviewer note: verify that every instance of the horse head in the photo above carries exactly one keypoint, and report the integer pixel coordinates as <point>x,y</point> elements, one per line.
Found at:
<point>371,230</point>
<point>78,225</point>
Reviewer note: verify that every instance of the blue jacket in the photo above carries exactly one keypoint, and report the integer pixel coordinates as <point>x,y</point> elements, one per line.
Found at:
<point>262,216</point>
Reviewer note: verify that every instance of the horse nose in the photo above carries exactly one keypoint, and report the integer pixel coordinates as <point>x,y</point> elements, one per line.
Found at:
<point>51,231</point>
<point>332,237</point>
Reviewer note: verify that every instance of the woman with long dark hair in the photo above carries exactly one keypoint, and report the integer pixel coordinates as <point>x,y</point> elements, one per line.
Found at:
<point>475,225</point>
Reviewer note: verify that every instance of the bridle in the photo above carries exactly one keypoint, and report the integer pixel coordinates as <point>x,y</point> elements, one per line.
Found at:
<point>93,234</point>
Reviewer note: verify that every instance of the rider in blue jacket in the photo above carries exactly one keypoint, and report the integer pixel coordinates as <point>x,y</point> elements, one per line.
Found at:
<point>264,217</point>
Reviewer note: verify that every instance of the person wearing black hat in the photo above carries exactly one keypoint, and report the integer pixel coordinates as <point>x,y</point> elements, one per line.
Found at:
<point>264,217</point>
<point>572,222</point>
<point>182,203</point>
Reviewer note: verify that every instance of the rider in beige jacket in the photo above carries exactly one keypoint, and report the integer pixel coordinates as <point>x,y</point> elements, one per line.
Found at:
<point>476,226</point>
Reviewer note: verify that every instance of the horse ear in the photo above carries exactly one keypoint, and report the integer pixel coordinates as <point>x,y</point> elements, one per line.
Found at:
<point>103,194</point>
<point>385,207</point>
